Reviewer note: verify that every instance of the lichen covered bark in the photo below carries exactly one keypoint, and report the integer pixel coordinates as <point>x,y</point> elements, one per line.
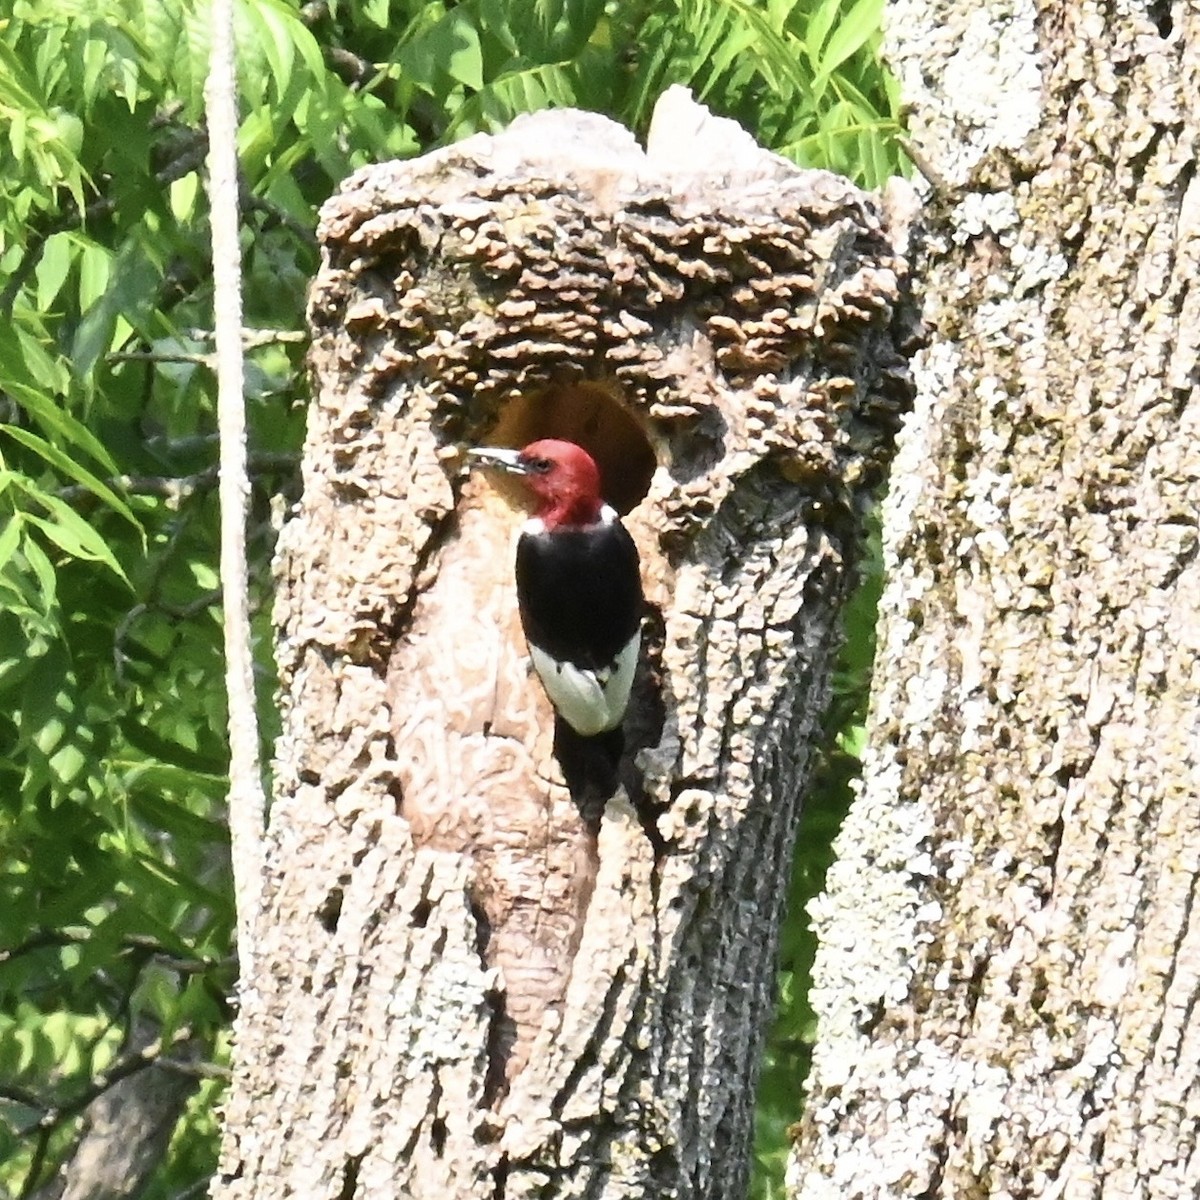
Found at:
<point>468,986</point>
<point>1009,964</point>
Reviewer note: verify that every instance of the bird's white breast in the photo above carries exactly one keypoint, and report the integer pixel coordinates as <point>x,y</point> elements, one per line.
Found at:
<point>591,702</point>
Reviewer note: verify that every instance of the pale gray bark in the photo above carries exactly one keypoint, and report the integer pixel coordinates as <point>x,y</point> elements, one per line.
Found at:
<point>1009,963</point>
<point>247,800</point>
<point>124,1132</point>
<point>465,987</point>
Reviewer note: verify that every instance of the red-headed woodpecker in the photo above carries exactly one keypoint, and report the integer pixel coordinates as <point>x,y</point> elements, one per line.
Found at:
<point>579,587</point>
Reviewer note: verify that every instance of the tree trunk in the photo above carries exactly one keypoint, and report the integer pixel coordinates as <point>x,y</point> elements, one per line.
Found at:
<point>1009,968</point>
<point>468,982</point>
<point>124,1133</point>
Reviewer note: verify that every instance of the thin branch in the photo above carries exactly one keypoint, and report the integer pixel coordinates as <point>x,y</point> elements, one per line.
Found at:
<point>177,612</point>
<point>120,636</point>
<point>177,488</point>
<point>199,1188</point>
<point>186,512</point>
<point>41,940</point>
<point>354,70</point>
<point>111,1135</point>
<point>166,487</point>
<point>20,1095</point>
<point>936,180</point>
<point>121,1068</point>
<point>198,1070</point>
<point>182,447</point>
<point>100,207</point>
<point>158,356</point>
<point>186,964</point>
<point>247,803</point>
<point>278,214</point>
<point>252,339</point>
<point>36,1161</point>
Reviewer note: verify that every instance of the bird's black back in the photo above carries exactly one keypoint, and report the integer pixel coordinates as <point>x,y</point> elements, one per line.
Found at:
<point>580,592</point>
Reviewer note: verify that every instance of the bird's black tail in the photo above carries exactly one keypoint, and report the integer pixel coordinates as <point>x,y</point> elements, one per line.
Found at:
<point>590,766</point>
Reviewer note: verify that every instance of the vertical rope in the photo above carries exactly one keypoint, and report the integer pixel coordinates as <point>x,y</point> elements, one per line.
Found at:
<point>246,799</point>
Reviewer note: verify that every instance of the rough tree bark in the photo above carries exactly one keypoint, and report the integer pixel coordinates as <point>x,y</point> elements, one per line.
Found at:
<point>467,987</point>
<point>1010,963</point>
<point>124,1132</point>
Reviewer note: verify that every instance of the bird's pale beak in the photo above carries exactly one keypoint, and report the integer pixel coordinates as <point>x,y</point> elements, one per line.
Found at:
<point>498,459</point>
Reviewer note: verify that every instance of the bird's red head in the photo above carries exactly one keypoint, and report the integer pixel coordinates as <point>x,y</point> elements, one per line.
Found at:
<point>562,476</point>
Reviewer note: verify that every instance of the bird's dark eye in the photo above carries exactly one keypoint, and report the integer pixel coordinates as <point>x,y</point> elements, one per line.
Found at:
<point>539,466</point>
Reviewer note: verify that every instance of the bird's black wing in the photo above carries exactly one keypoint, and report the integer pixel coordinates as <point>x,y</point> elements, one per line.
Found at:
<point>580,592</point>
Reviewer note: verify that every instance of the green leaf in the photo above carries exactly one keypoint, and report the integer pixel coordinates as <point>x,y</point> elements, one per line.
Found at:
<point>18,127</point>
<point>376,12</point>
<point>819,24</point>
<point>150,872</point>
<point>129,288</point>
<point>526,90</point>
<point>274,38</point>
<point>72,534</point>
<point>853,32</point>
<point>24,359</point>
<point>95,270</point>
<point>450,49</point>
<point>173,817</point>
<point>465,60</point>
<point>58,253</point>
<point>143,738</point>
<point>44,572</point>
<point>853,740</point>
<point>17,85</point>
<point>169,777</point>
<point>10,539</point>
<point>56,458</point>
<point>183,195</point>
<point>57,422</point>
<point>95,59</point>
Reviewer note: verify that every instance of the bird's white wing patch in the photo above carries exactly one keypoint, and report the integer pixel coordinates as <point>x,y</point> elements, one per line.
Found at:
<point>591,702</point>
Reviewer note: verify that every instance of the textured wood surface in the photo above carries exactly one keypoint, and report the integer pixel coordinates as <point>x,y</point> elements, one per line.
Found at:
<point>468,989</point>
<point>1010,966</point>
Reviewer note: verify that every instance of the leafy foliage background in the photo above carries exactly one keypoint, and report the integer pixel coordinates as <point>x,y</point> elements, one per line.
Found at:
<point>115,896</point>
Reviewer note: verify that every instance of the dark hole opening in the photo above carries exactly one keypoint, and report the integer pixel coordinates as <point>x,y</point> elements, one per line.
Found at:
<point>1159,11</point>
<point>591,415</point>
<point>330,910</point>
